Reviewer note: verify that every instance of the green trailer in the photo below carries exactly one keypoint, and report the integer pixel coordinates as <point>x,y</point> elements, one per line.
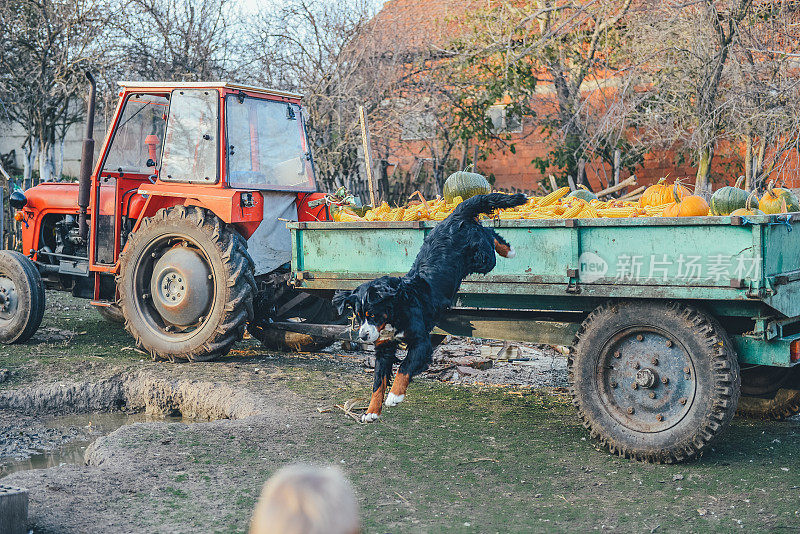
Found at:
<point>669,321</point>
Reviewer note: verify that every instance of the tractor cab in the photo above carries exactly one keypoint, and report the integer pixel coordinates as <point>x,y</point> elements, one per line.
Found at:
<point>194,176</point>
<point>234,149</point>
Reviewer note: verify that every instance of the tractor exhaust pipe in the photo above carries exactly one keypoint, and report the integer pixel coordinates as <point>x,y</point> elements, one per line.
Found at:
<point>87,163</point>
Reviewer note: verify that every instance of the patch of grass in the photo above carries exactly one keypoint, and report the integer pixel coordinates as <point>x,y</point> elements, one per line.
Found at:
<point>176,492</point>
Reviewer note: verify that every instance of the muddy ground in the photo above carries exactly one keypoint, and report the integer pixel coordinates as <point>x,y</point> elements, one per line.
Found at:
<point>466,455</point>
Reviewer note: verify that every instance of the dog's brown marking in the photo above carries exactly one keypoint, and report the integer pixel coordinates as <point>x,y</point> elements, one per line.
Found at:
<point>400,384</point>
<point>501,248</point>
<point>376,402</point>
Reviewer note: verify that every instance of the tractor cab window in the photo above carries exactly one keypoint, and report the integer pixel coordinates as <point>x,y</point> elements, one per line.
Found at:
<point>136,146</point>
<point>190,142</point>
<point>266,145</point>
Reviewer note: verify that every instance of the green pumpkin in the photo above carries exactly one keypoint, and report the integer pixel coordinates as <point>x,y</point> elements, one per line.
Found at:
<point>728,199</point>
<point>465,184</point>
<point>773,199</point>
<point>583,194</point>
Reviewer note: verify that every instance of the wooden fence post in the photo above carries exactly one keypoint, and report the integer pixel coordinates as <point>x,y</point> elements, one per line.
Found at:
<point>367,154</point>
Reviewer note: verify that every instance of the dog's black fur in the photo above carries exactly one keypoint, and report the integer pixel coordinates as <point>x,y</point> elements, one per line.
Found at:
<point>413,304</point>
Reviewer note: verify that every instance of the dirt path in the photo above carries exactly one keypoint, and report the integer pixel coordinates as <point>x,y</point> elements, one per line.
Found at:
<point>452,457</point>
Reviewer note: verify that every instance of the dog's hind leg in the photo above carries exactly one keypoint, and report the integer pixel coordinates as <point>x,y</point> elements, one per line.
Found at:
<point>501,246</point>
<point>418,359</point>
<point>384,361</point>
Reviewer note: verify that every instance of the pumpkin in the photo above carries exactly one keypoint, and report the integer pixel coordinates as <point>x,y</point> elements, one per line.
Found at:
<point>773,200</point>
<point>728,199</point>
<point>661,193</point>
<point>748,209</point>
<point>583,193</point>
<point>686,206</point>
<point>465,184</point>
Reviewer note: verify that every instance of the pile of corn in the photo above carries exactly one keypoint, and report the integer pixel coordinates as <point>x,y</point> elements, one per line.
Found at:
<point>556,205</point>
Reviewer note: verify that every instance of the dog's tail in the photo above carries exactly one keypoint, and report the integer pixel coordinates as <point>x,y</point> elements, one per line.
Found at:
<point>474,206</point>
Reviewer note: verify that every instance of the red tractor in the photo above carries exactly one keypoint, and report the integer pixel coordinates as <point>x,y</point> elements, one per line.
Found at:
<point>177,230</point>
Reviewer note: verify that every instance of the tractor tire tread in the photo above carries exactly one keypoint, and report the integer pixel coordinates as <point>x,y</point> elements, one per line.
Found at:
<point>232,250</point>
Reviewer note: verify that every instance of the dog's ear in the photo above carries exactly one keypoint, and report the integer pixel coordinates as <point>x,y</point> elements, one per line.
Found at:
<point>383,288</point>
<point>342,299</point>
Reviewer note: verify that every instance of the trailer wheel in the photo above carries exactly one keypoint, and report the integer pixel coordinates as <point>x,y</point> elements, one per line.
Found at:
<point>770,392</point>
<point>289,304</point>
<point>111,313</point>
<point>186,285</point>
<point>22,297</point>
<point>653,381</point>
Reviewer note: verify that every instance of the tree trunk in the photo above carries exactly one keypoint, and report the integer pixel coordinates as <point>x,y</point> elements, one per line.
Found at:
<point>704,169</point>
<point>30,149</point>
<point>759,177</point>
<point>47,166</point>
<point>748,163</point>
<point>60,159</point>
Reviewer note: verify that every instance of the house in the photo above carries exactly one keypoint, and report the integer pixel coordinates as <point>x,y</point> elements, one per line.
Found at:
<point>422,28</point>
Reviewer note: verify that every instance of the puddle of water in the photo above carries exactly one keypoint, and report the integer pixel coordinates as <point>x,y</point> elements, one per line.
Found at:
<point>91,426</point>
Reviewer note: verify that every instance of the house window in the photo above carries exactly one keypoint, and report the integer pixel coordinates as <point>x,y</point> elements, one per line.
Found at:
<point>502,122</point>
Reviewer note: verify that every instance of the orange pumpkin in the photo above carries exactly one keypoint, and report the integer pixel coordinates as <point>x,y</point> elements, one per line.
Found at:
<point>686,205</point>
<point>661,193</point>
<point>778,200</point>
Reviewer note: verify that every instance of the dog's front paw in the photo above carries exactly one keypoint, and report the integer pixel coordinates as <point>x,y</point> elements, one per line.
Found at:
<point>369,417</point>
<point>394,400</point>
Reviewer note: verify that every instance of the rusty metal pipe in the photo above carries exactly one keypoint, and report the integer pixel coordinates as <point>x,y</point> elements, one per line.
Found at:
<point>87,163</point>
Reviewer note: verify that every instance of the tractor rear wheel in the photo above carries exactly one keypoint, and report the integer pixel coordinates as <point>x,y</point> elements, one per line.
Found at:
<point>770,392</point>
<point>186,285</point>
<point>22,297</point>
<point>653,381</point>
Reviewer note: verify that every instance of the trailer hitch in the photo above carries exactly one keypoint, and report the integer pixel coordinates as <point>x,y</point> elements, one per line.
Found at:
<point>572,283</point>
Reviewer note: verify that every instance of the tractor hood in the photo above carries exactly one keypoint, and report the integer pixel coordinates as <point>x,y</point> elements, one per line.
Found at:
<point>53,196</point>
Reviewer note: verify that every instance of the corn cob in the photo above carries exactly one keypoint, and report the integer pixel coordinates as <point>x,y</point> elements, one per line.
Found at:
<point>508,215</point>
<point>573,210</point>
<point>346,216</point>
<point>617,212</point>
<point>554,196</point>
<point>396,215</point>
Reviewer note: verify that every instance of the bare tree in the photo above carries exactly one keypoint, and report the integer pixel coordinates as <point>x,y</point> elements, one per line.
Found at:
<point>329,52</point>
<point>176,39</point>
<point>555,62</point>
<point>684,51</point>
<point>45,46</point>
<point>765,89</point>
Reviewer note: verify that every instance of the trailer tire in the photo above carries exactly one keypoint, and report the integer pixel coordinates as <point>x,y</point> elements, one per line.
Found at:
<point>22,297</point>
<point>771,393</point>
<point>653,381</point>
<point>111,313</point>
<point>186,285</point>
<point>279,307</point>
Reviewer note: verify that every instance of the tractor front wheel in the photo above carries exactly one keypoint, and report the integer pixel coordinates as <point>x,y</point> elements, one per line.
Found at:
<point>186,285</point>
<point>21,297</point>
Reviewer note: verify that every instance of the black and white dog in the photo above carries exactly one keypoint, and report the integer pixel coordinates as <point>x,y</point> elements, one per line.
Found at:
<point>412,305</point>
